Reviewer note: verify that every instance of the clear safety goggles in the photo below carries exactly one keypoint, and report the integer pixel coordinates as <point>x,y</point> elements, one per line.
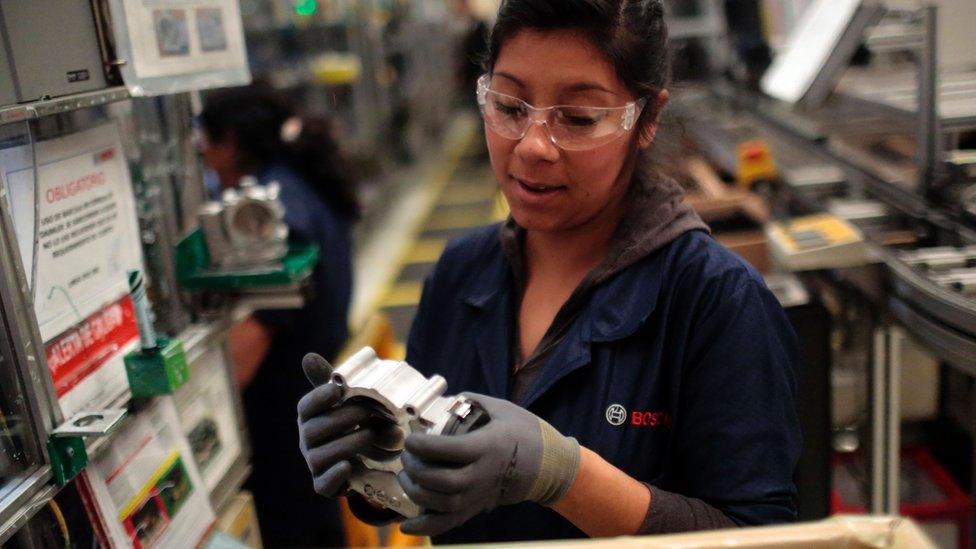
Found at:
<point>573,128</point>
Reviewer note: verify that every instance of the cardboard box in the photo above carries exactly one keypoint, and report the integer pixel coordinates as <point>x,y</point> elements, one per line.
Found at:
<point>849,532</point>
<point>240,520</point>
<point>750,245</point>
<point>736,216</point>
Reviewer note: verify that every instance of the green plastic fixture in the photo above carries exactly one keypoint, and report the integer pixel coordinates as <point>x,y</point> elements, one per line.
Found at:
<point>194,272</point>
<point>159,371</point>
<point>68,458</point>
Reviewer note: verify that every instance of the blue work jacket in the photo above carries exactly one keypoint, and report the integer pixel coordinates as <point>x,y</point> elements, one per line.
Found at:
<point>680,372</point>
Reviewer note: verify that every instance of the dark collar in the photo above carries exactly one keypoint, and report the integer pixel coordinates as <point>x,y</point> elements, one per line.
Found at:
<point>616,307</point>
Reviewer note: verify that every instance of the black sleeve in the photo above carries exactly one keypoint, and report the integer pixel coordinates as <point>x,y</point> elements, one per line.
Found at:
<point>670,513</point>
<point>278,319</point>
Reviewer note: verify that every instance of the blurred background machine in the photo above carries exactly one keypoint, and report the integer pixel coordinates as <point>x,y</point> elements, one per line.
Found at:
<point>865,110</point>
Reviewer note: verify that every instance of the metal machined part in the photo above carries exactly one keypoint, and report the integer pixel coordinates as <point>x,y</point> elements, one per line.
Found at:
<point>405,401</point>
<point>246,227</point>
<point>942,258</point>
<point>960,280</point>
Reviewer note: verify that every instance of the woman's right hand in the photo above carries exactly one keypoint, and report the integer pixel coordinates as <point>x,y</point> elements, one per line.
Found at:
<point>330,432</point>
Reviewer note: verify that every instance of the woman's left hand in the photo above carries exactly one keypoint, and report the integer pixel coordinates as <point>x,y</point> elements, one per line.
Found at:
<point>515,457</point>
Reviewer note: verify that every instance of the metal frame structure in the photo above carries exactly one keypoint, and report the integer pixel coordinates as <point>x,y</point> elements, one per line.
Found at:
<point>22,349</point>
<point>928,134</point>
<point>27,355</point>
<point>940,107</point>
<point>919,308</point>
<point>885,420</point>
<point>33,110</point>
<point>709,26</point>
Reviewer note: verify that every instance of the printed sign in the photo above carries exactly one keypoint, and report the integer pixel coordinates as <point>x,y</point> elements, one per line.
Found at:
<point>86,361</point>
<point>180,45</point>
<point>77,243</point>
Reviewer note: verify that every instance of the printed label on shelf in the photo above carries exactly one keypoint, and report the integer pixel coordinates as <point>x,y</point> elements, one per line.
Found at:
<point>86,362</point>
<point>146,488</point>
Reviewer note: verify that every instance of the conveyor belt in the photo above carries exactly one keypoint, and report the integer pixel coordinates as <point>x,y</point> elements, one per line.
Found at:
<point>899,91</point>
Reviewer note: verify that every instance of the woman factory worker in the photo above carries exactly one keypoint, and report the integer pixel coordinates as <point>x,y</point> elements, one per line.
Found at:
<point>253,131</point>
<point>639,376</point>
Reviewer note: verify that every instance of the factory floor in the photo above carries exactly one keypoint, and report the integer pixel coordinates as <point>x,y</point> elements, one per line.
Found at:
<point>446,195</point>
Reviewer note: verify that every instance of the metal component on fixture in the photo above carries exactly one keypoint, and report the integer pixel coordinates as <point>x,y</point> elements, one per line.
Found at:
<point>246,227</point>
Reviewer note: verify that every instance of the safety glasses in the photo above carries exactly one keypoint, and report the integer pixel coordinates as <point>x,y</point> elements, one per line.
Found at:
<point>573,128</point>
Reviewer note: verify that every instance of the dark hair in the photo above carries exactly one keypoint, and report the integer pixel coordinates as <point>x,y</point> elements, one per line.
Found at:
<point>255,114</point>
<point>631,33</point>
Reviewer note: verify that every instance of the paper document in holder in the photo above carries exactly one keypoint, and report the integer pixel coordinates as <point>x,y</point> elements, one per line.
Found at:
<point>146,488</point>
<point>206,409</point>
<point>78,243</point>
<point>175,46</point>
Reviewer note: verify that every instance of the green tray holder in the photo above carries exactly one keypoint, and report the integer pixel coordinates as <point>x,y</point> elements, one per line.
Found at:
<point>68,458</point>
<point>158,372</point>
<point>193,262</point>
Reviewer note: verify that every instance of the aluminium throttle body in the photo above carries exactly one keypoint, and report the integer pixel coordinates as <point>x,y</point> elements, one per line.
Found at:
<point>246,227</point>
<point>403,401</point>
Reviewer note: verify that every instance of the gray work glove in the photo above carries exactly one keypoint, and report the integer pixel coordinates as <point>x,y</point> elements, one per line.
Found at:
<point>516,457</point>
<point>330,433</point>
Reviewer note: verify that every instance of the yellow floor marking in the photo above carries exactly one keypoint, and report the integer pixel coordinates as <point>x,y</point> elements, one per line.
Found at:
<point>402,294</point>
<point>439,180</point>
<point>426,250</point>
<point>399,351</point>
<point>499,211</point>
<point>458,218</point>
<point>468,193</point>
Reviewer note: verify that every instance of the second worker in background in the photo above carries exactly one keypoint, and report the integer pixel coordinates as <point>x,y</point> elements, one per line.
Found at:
<point>253,131</point>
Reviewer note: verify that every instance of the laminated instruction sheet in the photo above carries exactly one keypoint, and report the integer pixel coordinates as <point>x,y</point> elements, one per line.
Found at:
<point>78,234</point>
<point>180,45</point>
<point>146,489</point>
<point>206,410</point>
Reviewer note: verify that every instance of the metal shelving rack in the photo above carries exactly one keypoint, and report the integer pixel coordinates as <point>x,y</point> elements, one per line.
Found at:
<point>24,345</point>
<point>21,339</point>
<point>22,348</point>
<point>27,356</point>
<point>36,109</point>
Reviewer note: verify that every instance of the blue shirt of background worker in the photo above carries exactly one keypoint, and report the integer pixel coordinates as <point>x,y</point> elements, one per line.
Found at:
<point>252,131</point>
<point>280,478</point>
<point>320,326</point>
